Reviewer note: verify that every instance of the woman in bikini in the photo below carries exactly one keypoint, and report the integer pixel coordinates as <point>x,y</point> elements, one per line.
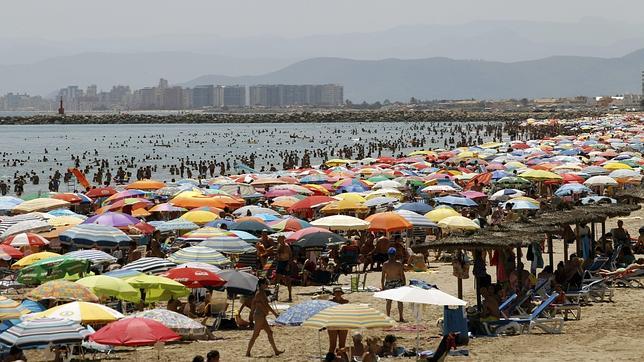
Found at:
<point>259,310</point>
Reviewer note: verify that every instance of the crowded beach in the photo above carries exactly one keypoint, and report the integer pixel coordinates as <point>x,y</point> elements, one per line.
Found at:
<point>505,249</point>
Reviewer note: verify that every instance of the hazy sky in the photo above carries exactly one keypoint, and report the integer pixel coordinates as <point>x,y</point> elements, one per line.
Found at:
<point>235,18</point>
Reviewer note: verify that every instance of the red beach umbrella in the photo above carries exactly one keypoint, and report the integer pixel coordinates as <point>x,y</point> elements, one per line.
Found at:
<point>100,192</point>
<point>134,331</point>
<point>11,251</point>
<point>195,277</point>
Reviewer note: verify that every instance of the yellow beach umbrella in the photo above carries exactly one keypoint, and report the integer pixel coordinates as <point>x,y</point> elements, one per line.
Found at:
<point>344,206</point>
<point>200,216</point>
<point>349,316</point>
<point>59,221</point>
<point>423,153</point>
<point>616,166</point>
<point>351,196</point>
<point>439,214</point>
<point>158,288</point>
<point>41,204</point>
<point>540,175</point>
<point>32,258</point>
<point>82,312</point>
<point>458,223</point>
<point>338,162</point>
<point>106,286</point>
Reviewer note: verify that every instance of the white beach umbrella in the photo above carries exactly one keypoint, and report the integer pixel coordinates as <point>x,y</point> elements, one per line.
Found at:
<point>341,222</point>
<point>413,294</point>
<point>601,181</point>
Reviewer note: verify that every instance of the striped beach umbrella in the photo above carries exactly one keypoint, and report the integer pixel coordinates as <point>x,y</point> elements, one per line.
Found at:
<point>179,323</point>
<point>12,227</point>
<point>229,244</point>
<point>94,235</point>
<point>296,314</point>
<point>82,312</point>
<point>94,256</point>
<point>349,316</point>
<point>62,290</point>
<point>56,267</point>
<point>11,309</point>
<point>200,254</point>
<point>150,265</point>
<point>44,332</point>
<point>25,239</point>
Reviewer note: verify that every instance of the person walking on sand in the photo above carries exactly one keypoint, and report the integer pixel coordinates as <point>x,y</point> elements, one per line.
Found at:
<point>259,309</point>
<point>284,256</point>
<point>393,276</point>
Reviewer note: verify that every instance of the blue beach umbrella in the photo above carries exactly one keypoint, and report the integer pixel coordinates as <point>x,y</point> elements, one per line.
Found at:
<point>298,313</point>
<point>417,207</point>
<point>569,189</point>
<point>244,235</point>
<point>456,201</point>
<point>521,205</point>
<point>94,234</point>
<point>43,332</point>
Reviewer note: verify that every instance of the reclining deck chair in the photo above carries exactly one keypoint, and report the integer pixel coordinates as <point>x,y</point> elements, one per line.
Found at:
<point>528,323</point>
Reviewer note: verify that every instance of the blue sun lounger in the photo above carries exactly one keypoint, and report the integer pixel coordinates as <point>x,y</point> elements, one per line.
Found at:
<point>528,323</point>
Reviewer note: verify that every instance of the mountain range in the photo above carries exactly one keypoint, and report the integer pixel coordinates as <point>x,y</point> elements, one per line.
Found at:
<point>444,78</point>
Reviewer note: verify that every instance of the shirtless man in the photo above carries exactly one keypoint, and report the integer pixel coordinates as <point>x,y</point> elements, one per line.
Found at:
<point>284,256</point>
<point>393,276</point>
<point>259,310</point>
<point>380,253</point>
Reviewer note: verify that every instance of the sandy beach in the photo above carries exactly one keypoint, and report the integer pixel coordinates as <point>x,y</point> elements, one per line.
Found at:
<point>606,332</point>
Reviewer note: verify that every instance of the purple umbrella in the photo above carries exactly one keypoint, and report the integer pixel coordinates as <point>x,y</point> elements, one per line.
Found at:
<point>115,219</point>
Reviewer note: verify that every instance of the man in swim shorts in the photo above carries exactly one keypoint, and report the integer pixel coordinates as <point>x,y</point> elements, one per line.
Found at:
<point>393,276</point>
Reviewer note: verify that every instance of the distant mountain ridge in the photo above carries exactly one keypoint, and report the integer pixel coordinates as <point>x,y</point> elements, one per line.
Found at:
<point>444,78</point>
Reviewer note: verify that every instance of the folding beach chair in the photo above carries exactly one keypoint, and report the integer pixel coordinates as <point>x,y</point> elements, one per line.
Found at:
<point>552,325</point>
<point>504,307</point>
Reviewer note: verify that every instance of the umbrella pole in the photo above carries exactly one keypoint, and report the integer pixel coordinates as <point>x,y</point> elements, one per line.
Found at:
<point>319,343</point>
<point>460,288</point>
<point>551,256</point>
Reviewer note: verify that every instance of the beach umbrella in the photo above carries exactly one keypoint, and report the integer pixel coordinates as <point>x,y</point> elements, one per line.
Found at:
<point>341,222</point>
<point>601,181</point>
<point>82,312</point>
<point>289,224</point>
<point>296,314</point>
<point>167,207</point>
<point>134,331</point>
<point>417,207</point>
<point>310,202</point>
<point>199,216</point>
<point>202,234</point>
<point>569,189</point>
<point>456,201</point>
<point>8,252</point>
<point>24,226</point>
<point>194,277</point>
<point>521,205</point>
<point>417,221</point>
<point>439,214</point>
<point>62,290</point>
<point>92,255</point>
<point>72,198</point>
<point>248,237</point>
<point>309,230</point>
<point>284,201</point>
<point>123,273</point>
<point>229,244</point>
<point>250,226</point>
<point>177,322</point>
<point>512,182</point>
<point>32,258</point>
<point>414,294</point>
<point>505,194</point>
<point>254,210</point>
<point>94,235</point>
<point>380,201</point>
<point>101,192</point>
<point>40,204</point>
<point>114,219</point>
<point>44,332</point>
<point>198,201</point>
<point>388,222</point>
<point>56,267</point>
<point>239,282</point>
<point>572,178</point>
<point>59,221</point>
<point>439,189</point>
<point>616,166</point>
<point>11,309</point>
<point>7,222</point>
<point>201,254</point>
<point>387,184</point>
<point>349,316</point>
<point>151,265</point>
<point>197,265</point>
<point>105,287</point>
<point>319,240</point>
<point>595,170</point>
<point>392,193</point>
<point>25,239</point>
<point>158,288</point>
<point>265,217</point>
<point>145,185</point>
<point>351,196</point>
<point>458,223</point>
<point>540,175</point>
<point>176,224</point>
<point>345,205</point>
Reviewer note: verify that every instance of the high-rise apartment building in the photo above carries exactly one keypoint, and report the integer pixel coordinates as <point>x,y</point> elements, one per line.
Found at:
<point>281,95</point>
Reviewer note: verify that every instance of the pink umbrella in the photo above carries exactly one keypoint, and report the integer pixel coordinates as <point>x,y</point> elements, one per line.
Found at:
<point>310,230</point>
<point>473,194</point>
